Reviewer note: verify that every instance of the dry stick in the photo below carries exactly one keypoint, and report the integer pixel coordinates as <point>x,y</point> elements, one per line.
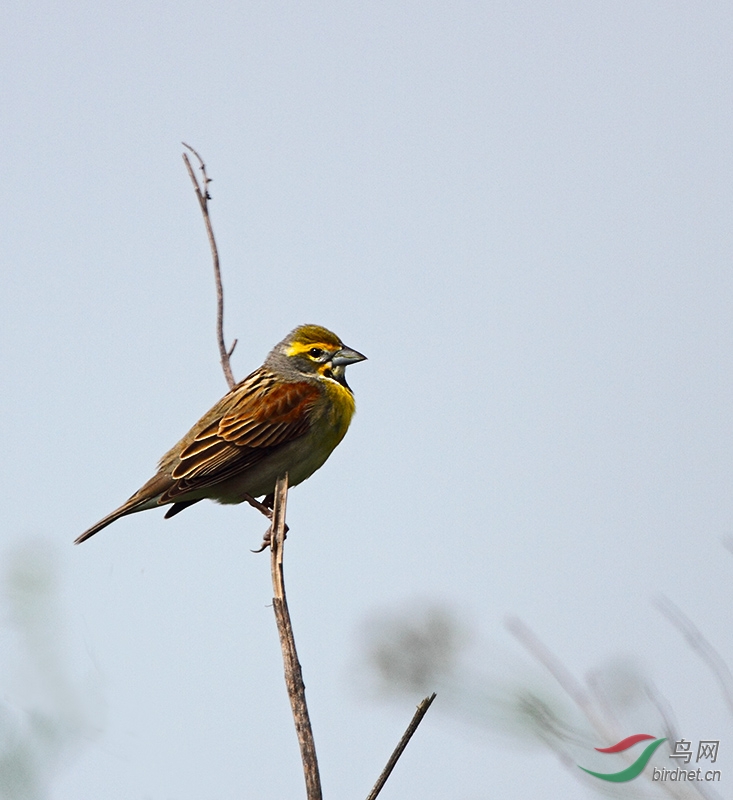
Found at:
<point>422,710</point>
<point>293,672</point>
<point>202,194</point>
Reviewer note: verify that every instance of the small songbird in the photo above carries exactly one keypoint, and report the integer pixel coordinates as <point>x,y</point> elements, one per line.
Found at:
<point>286,417</point>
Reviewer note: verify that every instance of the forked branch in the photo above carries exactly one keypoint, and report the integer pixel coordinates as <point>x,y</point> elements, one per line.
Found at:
<point>276,539</point>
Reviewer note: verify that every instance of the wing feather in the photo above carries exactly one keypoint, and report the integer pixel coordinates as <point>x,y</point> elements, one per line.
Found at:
<point>261,413</point>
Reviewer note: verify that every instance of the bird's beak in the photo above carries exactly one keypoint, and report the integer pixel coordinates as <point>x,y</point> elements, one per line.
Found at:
<point>346,356</point>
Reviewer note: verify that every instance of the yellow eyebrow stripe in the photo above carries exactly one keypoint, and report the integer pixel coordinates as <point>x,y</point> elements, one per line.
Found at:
<point>298,348</point>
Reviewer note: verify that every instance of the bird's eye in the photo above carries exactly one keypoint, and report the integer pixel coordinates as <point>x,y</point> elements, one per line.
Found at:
<point>316,352</point>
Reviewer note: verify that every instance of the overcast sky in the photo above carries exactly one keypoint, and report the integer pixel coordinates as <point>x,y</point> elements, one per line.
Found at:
<point>521,213</point>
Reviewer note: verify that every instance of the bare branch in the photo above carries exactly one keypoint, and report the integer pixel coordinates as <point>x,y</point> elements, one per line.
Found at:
<point>202,194</point>
<point>422,710</point>
<point>293,672</point>
<point>700,645</point>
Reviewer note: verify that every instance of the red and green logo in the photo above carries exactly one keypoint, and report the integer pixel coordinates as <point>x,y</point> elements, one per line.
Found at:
<point>637,767</point>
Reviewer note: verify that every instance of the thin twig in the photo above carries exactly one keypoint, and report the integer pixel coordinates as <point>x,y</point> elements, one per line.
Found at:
<point>202,194</point>
<point>422,710</point>
<point>700,645</point>
<point>293,672</point>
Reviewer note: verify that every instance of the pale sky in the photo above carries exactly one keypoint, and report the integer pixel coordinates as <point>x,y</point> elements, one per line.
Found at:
<point>521,213</point>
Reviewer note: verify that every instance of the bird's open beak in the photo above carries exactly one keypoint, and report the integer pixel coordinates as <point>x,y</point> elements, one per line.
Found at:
<point>346,356</point>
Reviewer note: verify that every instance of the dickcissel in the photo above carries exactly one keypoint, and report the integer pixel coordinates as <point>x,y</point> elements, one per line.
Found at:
<point>287,416</point>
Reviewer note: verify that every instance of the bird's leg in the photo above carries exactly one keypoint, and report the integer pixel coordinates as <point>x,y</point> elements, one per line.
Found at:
<point>261,507</point>
<point>266,509</point>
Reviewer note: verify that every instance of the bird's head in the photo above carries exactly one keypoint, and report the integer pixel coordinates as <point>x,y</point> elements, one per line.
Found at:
<point>312,351</point>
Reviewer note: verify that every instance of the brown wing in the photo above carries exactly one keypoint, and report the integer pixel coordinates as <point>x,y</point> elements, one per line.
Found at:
<point>257,416</point>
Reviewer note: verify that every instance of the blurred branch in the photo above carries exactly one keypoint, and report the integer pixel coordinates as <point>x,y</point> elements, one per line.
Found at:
<point>583,700</point>
<point>562,675</point>
<point>293,671</point>
<point>664,709</point>
<point>203,196</point>
<point>699,645</point>
<point>422,710</point>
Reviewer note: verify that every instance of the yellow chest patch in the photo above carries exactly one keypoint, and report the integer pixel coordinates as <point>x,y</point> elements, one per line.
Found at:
<point>342,408</point>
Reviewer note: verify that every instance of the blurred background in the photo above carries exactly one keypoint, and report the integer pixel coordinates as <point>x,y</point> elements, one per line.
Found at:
<point>521,213</point>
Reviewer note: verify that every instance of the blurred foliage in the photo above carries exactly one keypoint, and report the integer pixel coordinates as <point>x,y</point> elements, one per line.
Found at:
<point>43,719</point>
<point>424,649</point>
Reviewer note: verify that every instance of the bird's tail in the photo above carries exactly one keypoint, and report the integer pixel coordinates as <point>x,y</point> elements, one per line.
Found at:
<point>146,497</point>
<point>130,507</point>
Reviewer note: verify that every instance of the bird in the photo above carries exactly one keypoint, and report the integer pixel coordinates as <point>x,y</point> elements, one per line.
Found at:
<point>285,417</point>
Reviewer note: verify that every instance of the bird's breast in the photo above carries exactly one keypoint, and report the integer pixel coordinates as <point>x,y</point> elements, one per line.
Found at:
<point>341,408</point>
<point>302,456</point>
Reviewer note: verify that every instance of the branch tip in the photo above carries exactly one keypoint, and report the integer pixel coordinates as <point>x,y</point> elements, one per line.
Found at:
<point>203,196</point>
<point>417,718</point>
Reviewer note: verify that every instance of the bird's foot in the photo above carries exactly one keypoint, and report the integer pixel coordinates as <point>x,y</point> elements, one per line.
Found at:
<point>266,509</point>
<point>267,539</point>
